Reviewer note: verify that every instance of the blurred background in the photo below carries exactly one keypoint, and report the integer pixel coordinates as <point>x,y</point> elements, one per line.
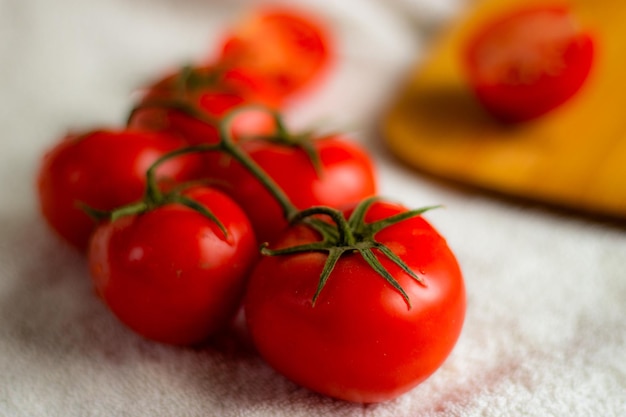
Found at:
<point>544,332</point>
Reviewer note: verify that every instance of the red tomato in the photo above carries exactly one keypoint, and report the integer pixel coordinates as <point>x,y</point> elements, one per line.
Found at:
<point>212,92</point>
<point>360,341</point>
<point>170,274</point>
<point>103,169</point>
<point>525,63</point>
<point>289,49</point>
<point>346,176</point>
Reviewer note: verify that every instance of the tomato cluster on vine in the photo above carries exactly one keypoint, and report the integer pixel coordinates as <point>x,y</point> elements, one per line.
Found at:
<point>205,201</point>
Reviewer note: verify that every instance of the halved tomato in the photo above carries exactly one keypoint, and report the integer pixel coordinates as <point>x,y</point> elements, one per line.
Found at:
<point>529,61</point>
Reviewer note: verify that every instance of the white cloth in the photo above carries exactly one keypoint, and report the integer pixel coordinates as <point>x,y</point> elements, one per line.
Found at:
<point>545,333</point>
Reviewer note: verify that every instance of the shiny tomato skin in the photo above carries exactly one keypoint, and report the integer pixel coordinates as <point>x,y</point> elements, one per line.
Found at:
<point>347,176</point>
<point>528,62</point>
<point>103,169</point>
<point>359,342</point>
<point>289,49</point>
<point>216,93</point>
<point>170,274</point>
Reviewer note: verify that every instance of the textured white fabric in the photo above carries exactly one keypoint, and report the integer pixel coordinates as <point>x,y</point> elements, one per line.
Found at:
<point>545,333</point>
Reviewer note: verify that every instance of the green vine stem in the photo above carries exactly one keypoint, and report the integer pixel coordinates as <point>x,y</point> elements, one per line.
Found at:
<point>284,137</point>
<point>340,236</point>
<point>227,144</point>
<point>345,235</point>
<point>173,104</point>
<point>184,83</point>
<point>153,195</point>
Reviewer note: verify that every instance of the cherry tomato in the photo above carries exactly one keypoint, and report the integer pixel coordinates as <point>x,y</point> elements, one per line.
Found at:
<point>346,175</point>
<point>170,274</point>
<point>212,92</point>
<point>525,63</point>
<point>289,49</point>
<point>102,169</point>
<point>360,341</point>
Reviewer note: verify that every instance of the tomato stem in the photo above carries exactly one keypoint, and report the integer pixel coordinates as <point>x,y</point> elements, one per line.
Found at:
<point>281,130</point>
<point>346,235</point>
<point>154,197</point>
<point>304,141</point>
<point>173,104</point>
<point>188,80</point>
<point>134,208</point>
<point>228,145</point>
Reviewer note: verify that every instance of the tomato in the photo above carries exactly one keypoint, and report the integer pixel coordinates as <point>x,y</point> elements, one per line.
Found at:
<point>525,63</point>
<point>346,175</point>
<point>102,169</point>
<point>169,273</point>
<point>289,49</point>
<point>361,340</point>
<point>212,92</point>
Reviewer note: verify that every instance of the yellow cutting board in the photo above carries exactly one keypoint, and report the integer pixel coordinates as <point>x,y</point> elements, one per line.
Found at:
<point>574,156</point>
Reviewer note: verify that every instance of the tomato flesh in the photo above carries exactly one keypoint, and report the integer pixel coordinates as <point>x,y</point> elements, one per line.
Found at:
<point>529,62</point>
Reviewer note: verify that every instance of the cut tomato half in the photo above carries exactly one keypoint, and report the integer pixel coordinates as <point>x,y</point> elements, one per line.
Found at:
<point>526,63</point>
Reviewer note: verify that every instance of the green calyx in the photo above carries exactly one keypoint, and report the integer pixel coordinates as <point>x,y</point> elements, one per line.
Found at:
<point>191,79</point>
<point>187,81</point>
<point>282,136</point>
<point>353,235</point>
<point>227,143</point>
<point>154,197</point>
